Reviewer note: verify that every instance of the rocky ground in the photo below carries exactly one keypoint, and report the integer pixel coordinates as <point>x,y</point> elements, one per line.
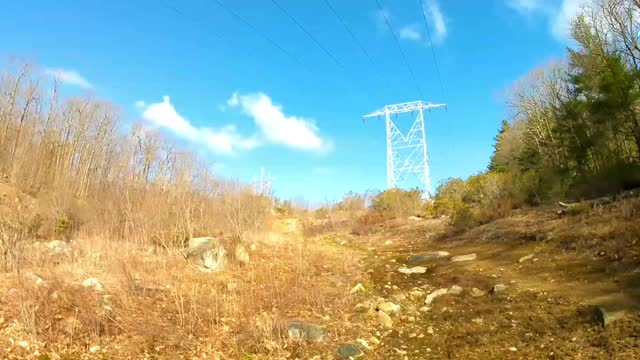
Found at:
<point>502,292</point>
<point>530,286</point>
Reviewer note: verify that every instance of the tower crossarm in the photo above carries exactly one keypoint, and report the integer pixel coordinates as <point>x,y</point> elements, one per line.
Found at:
<point>404,108</point>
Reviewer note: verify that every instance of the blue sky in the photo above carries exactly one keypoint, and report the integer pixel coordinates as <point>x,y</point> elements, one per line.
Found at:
<point>224,91</point>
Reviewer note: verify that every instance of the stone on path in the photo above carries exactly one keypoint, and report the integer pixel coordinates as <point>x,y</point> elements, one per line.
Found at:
<point>606,317</point>
<point>497,288</point>
<point>364,344</point>
<point>467,257</point>
<point>435,294</point>
<point>388,307</point>
<point>426,257</point>
<point>413,270</point>
<point>525,258</point>
<point>93,283</point>
<point>356,289</point>
<point>385,319</point>
<point>349,351</point>
<point>414,218</point>
<point>475,292</point>
<point>455,290</point>
<point>305,331</point>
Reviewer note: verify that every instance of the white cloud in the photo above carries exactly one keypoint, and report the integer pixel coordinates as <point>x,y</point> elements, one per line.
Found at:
<point>559,13</point>
<point>561,22</point>
<point>410,32</point>
<point>525,6</point>
<point>436,20</point>
<point>225,140</point>
<point>70,77</point>
<point>276,127</point>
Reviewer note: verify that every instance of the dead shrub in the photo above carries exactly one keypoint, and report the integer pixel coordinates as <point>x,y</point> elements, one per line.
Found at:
<point>370,221</point>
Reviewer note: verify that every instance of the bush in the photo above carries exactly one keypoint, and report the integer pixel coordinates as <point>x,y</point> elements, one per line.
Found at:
<point>479,199</point>
<point>398,202</point>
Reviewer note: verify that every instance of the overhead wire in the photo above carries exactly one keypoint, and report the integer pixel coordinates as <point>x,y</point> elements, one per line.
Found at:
<point>404,57</point>
<point>351,33</point>
<point>259,33</point>
<point>308,33</point>
<point>433,50</point>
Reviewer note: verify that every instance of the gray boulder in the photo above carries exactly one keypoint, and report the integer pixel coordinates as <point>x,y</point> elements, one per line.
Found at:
<point>497,288</point>
<point>606,317</point>
<point>206,252</point>
<point>349,351</point>
<point>305,331</point>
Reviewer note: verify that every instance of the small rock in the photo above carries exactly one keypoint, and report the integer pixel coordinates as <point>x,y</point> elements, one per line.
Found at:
<point>349,351</point>
<point>513,348</point>
<point>385,319</point>
<point>93,283</point>
<point>426,257</point>
<point>388,307</point>
<point>357,288</point>
<point>414,218</point>
<point>467,257</point>
<point>23,344</point>
<point>388,242</point>
<point>475,292</point>
<point>413,270</point>
<point>374,340</point>
<point>416,294</point>
<point>478,321</point>
<point>241,254</point>
<point>425,308</point>
<point>40,282</point>
<point>364,344</point>
<point>497,288</point>
<point>435,294</point>
<point>94,349</point>
<point>430,330</point>
<point>455,290</point>
<point>525,258</point>
<point>343,242</point>
<point>305,331</point>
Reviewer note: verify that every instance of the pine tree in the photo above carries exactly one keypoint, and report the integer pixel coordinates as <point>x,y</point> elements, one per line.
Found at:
<point>494,163</point>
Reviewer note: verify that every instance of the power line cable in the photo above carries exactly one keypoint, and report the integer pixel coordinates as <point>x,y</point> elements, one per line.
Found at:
<point>346,26</point>
<point>308,34</point>
<point>404,57</point>
<point>433,51</point>
<point>264,36</point>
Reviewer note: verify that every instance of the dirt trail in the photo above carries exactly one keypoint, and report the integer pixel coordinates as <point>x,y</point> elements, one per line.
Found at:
<point>547,311</point>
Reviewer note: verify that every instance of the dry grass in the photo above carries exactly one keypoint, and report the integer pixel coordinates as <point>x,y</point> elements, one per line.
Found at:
<point>158,305</point>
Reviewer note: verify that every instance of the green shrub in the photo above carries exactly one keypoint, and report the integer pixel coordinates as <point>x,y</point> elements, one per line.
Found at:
<point>63,228</point>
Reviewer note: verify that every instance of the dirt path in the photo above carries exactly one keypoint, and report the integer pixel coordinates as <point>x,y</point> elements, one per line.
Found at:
<point>547,311</point>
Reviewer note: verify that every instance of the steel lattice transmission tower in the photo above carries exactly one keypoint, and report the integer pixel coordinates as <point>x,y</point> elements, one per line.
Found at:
<point>406,154</point>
